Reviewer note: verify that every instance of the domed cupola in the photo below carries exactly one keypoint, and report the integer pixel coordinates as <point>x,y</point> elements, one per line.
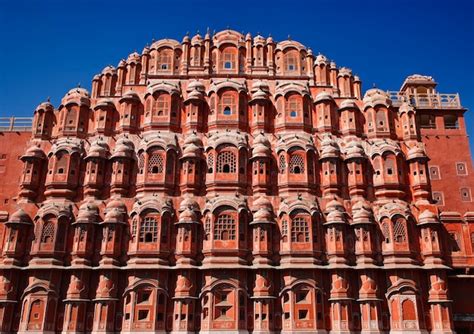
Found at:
<point>129,111</point>
<point>377,106</point>
<point>188,226</point>
<point>17,229</point>
<point>195,104</point>
<point>96,161</point>
<point>122,162</point>
<point>324,113</point>
<point>108,80</point>
<point>330,166</point>
<point>112,228</point>
<point>321,70</point>
<point>356,162</point>
<point>345,82</point>
<point>336,233</point>
<point>262,226</point>
<point>104,117</point>
<point>74,113</point>
<point>84,227</point>
<point>34,161</point>
<point>364,230</point>
<point>43,120</point>
<point>407,117</point>
<point>349,119</point>
<point>193,164</point>
<point>260,105</point>
<point>262,162</point>
<point>418,164</point>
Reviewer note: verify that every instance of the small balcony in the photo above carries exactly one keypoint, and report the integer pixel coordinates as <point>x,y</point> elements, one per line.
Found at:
<point>427,101</point>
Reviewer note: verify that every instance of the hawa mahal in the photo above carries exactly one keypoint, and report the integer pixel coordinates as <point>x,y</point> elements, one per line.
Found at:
<point>236,184</point>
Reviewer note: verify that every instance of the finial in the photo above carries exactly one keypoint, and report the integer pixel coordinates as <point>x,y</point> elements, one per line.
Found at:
<point>373,85</point>
<point>207,30</point>
<point>48,99</point>
<point>187,33</point>
<point>289,37</point>
<point>228,27</point>
<point>197,31</point>
<point>78,85</point>
<point>258,32</point>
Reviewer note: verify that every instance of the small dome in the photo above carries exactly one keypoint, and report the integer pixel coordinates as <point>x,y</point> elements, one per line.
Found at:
<point>248,37</point>
<point>96,77</point>
<point>187,216</point>
<point>261,146</point>
<point>323,96</point>
<point>134,57</point>
<point>197,39</point>
<point>334,205</point>
<point>344,72</point>
<point>329,148</point>
<point>269,40</point>
<point>361,216</point>
<point>354,150</point>
<point>262,203</point>
<point>116,204</point>
<point>87,213</point>
<point>98,149</point>
<point>109,69</point>
<point>335,217</point>
<point>321,59</point>
<point>130,95</point>
<point>146,50</point>
<point>104,104</point>
<point>333,65</point>
<point>260,85</point>
<point>44,106</point>
<point>259,39</point>
<point>33,152</point>
<point>416,152</point>
<point>124,148</point>
<point>375,96</point>
<point>192,147</point>
<point>122,63</point>
<point>19,217</point>
<point>188,202</point>
<point>78,95</point>
<point>186,39</point>
<point>262,215</point>
<point>348,104</point>
<point>428,217</point>
<point>356,78</point>
<point>406,107</point>
<point>196,85</point>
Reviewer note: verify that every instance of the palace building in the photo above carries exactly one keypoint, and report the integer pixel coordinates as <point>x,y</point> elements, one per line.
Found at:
<point>236,184</point>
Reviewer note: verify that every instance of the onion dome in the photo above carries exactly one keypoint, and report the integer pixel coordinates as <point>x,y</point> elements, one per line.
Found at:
<point>427,217</point>
<point>96,77</point>
<point>187,216</point>
<point>192,147</point>
<point>261,147</point>
<point>98,149</point>
<point>78,95</point>
<point>333,65</point>
<point>270,40</point>
<point>356,78</point>
<point>416,152</point>
<point>260,91</point>
<point>130,95</point>
<point>262,203</point>
<point>114,212</point>
<point>263,211</point>
<point>348,104</point>
<point>186,39</point>
<point>310,52</point>
<point>248,37</point>
<point>19,217</point>
<point>104,104</point>
<point>188,202</point>
<point>354,150</point>
<point>374,97</point>
<point>88,213</point>
<point>146,50</point>
<point>124,148</point>
<point>134,57</point>
<point>334,205</point>
<point>406,107</point>
<point>335,217</point>
<point>323,96</point>
<point>329,148</point>
<point>344,72</point>
<point>33,152</point>
<point>321,59</point>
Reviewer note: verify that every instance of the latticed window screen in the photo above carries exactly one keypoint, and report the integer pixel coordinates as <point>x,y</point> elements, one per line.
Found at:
<point>155,163</point>
<point>207,226</point>
<point>399,231</point>
<point>296,164</point>
<point>134,228</point>
<point>61,162</point>
<point>284,228</point>
<point>299,230</point>
<point>141,163</point>
<point>162,106</point>
<point>293,107</point>
<point>149,230</point>
<point>228,105</point>
<point>224,228</point>
<point>210,162</point>
<point>47,234</point>
<point>226,162</point>
<point>282,164</point>
<point>228,60</point>
<point>164,60</point>
<point>291,62</point>
<point>385,228</point>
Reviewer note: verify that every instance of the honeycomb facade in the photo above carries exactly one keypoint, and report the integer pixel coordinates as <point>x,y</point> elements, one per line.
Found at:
<point>232,184</point>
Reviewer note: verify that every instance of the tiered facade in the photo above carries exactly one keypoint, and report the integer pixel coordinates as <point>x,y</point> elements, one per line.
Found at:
<point>231,184</point>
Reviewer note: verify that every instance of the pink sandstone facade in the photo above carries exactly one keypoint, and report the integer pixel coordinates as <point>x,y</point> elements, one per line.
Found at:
<point>234,184</point>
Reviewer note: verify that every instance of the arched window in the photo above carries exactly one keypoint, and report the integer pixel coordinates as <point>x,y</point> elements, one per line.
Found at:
<point>210,163</point>
<point>291,61</point>
<point>155,163</point>
<point>229,59</point>
<point>47,234</point>
<point>282,163</point>
<point>164,59</point>
<point>399,231</point>
<point>228,104</point>
<point>161,107</point>
<point>296,164</point>
<point>380,119</point>
<point>284,230</point>
<point>224,227</point>
<point>36,311</point>
<point>408,310</point>
<point>293,106</point>
<point>299,230</point>
<point>385,228</point>
<point>61,162</point>
<point>141,162</point>
<point>149,230</point>
<point>226,162</point>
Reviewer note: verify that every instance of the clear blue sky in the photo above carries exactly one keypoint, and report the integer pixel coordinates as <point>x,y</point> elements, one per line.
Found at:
<point>47,47</point>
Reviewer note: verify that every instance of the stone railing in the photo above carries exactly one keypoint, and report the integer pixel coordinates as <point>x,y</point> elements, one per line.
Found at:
<point>15,124</point>
<point>435,101</point>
